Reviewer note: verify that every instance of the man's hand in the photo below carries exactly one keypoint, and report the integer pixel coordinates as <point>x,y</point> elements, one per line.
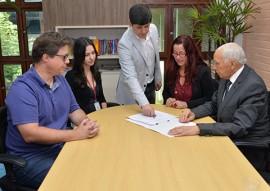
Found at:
<point>158,86</point>
<point>148,110</point>
<point>186,116</point>
<point>184,131</point>
<point>87,129</point>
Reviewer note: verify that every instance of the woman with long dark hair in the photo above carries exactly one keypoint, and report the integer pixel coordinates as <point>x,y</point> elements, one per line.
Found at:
<point>188,80</point>
<point>84,78</point>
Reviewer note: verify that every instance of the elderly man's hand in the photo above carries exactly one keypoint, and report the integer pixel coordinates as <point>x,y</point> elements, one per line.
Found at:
<point>184,131</point>
<point>186,116</point>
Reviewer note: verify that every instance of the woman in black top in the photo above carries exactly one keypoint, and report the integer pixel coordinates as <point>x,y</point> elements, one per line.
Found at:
<point>188,81</point>
<point>84,78</point>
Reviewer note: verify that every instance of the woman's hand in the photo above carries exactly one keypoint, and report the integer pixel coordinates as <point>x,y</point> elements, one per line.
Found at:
<point>170,101</point>
<point>179,104</point>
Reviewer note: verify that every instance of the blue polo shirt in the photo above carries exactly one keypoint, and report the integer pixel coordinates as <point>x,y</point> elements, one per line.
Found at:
<point>31,100</point>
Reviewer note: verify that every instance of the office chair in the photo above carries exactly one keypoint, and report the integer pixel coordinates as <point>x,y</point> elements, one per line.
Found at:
<point>112,104</point>
<point>8,182</point>
<point>258,152</point>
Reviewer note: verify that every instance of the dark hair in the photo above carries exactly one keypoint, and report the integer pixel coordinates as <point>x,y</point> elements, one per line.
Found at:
<point>79,57</point>
<point>140,14</point>
<point>49,43</point>
<point>194,58</point>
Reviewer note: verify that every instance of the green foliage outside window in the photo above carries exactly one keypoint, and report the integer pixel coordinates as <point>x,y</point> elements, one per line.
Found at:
<point>10,47</point>
<point>8,36</point>
<point>11,72</point>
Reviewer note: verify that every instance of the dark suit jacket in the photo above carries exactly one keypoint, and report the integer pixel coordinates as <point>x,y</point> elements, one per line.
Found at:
<point>243,112</point>
<point>202,88</point>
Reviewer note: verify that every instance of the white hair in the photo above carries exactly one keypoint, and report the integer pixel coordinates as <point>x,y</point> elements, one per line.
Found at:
<point>232,51</point>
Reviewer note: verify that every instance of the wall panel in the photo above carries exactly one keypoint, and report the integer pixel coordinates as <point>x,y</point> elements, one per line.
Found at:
<point>257,43</point>
<point>86,12</point>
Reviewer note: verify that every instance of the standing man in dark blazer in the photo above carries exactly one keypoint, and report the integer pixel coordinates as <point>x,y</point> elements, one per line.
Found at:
<point>242,112</point>
<point>139,59</point>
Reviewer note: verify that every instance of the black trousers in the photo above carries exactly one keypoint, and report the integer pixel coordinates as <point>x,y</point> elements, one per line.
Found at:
<point>150,92</point>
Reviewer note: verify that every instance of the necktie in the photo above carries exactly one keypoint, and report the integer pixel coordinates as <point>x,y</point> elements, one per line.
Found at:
<point>227,85</point>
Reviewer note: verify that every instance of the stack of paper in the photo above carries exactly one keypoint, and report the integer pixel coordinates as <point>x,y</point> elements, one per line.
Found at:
<point>161,123</point>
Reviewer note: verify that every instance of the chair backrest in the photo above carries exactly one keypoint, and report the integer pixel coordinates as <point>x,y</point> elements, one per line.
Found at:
<point>3,128</point>
<point>8,182</point>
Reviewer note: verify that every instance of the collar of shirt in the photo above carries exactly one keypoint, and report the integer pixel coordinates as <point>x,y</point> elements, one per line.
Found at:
<point>141,39</point>
<point>234,77</point>
<point>41,82</point>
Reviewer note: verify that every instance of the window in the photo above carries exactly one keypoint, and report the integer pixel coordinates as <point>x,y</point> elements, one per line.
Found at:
<point>33,27</point>
<point>33,1</point>
<point>158,19</point>
<point>11,72</point>
<point>21,21</point>
<point>181,25</point>
<point>9,34</point>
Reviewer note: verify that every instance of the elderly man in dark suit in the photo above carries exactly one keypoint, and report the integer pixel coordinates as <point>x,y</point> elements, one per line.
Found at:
<point>240,109</point>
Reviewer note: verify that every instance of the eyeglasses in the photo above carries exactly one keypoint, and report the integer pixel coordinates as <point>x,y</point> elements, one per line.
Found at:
<point>64,57</point>
<point>182,54</point>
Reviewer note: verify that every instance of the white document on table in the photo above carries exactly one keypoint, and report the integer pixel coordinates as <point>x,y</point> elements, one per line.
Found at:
<point>161,125</point>
<point>160,117</point>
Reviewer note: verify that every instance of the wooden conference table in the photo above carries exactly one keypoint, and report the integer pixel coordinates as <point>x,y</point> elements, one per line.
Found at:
<point>125,157</point>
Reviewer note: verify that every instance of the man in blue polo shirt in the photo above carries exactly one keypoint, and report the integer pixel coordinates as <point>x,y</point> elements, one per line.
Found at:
<point>39,104</point>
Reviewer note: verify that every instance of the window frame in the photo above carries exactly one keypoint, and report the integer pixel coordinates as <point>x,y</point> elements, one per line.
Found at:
<point>24,59</point>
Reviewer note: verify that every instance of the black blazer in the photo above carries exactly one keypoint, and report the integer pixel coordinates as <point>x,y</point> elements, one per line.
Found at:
<point>202,88</point>
<point>85,96</point>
